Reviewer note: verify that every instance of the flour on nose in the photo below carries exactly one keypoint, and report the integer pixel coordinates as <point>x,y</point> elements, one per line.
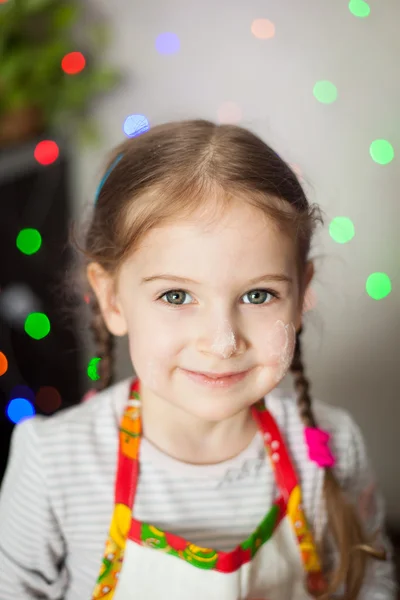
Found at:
<point>225,342</point>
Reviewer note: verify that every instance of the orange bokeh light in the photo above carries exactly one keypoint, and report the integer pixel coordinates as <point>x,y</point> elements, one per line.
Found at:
<point>3,363</point>
<point>263,29</point>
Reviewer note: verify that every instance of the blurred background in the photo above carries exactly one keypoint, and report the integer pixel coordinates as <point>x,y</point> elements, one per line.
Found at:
<point>319,81</point>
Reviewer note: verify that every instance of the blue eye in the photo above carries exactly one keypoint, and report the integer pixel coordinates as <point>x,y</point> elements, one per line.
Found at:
<point>260,297</point>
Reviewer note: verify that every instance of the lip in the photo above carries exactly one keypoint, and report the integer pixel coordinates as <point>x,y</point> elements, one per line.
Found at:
<point>215,380</point>
<point>213,375</point>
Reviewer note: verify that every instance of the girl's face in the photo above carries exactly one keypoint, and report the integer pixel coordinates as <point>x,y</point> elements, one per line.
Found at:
<point>221,300</point>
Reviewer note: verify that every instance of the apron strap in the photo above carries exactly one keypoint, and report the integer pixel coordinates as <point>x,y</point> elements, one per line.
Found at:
<point>289,487</point>
<point>285,474</point>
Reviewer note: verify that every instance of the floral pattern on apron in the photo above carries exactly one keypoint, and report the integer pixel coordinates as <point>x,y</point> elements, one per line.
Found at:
<point>125,528</point>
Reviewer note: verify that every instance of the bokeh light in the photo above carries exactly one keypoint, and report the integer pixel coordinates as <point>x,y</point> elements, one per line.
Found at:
<point>135,125</point>
<point>167,43</point>
<point>359,8</point>
<point>46,152</point>
<point>229,112</point>
<point>325,92</point>
<point>263,29</point>
<point>73,63</point>
<point>341,229</point>
<point>29,241</point>
<point>92,368</point>
<point>20,409</point>
<point>37,325</point>
<point>17,301</point>
<point>48,399</point>
<point>3,364</point>
<point>381,152</point>
<point>378,286</point>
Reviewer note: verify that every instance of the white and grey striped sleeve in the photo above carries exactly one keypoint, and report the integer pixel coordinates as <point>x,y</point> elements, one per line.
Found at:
<point>31,545</point>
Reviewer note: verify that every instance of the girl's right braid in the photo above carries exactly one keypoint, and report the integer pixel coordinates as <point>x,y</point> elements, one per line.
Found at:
<point>343,521</point>
<point>302,385</point>
<point>105,346</point>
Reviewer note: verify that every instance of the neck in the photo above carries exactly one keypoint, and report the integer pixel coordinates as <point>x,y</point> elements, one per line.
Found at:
<point>188,438</point>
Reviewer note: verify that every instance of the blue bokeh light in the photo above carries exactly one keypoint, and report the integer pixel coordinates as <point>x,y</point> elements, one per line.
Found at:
<point>167,43</point>
<point>135,125</point>
<point>19,409</point>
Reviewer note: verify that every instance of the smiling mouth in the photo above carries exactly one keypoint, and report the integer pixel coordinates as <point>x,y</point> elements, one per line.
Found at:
<point>217,380</point>
<point>219,375</point>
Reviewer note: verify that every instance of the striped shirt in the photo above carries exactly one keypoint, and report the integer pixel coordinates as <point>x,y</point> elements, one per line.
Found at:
<point>56,499</point>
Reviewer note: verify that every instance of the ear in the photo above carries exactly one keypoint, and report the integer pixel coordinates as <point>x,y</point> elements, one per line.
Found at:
<point>103,286</point>
<point>308,276</point>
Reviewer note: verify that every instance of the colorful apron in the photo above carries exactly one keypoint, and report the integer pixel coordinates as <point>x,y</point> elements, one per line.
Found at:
<point>278,561</point>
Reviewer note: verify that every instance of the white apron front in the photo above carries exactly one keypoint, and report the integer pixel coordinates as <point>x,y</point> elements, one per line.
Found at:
<point>275,573</point>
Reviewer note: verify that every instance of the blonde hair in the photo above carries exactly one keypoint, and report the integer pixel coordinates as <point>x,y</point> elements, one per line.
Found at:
<point>166,174</point>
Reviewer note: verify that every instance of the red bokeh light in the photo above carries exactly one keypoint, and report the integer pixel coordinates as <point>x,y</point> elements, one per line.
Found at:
<point>48,399</point>
<point>46,152</point>
<point>73,63</point>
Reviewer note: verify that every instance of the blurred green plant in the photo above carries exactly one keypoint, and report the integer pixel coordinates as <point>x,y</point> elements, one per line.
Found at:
<point>35,35</point>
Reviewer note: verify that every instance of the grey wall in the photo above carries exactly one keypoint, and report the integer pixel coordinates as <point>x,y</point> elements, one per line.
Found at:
<point>352,343</point>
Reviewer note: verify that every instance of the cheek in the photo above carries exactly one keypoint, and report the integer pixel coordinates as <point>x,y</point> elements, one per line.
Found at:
<point>152,349</point>
<point>277,347</point>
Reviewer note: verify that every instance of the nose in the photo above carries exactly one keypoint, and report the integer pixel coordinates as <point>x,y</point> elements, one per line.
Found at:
<point>222,341</point>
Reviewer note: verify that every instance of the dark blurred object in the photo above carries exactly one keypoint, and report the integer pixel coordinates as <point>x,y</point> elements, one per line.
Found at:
<point>394,534</point>
<point>37,91</point>
<point>35,196</point>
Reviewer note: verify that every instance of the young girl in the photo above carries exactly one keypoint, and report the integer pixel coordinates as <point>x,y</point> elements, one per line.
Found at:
<point>197,478</point>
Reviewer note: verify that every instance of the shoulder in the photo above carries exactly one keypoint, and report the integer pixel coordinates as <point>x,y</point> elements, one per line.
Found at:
<point>74,428</point>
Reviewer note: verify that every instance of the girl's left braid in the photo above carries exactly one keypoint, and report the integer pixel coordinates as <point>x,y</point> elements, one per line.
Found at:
<point>105,346</point>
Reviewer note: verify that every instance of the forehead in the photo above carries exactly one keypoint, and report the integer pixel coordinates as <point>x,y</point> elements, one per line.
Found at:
<point>239,241</point>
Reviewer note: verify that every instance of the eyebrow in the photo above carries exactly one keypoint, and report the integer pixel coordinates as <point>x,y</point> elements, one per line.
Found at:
<point>277,277</point>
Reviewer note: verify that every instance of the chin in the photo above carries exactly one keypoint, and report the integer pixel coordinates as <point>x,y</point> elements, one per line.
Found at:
<point>214,414</point>
<point>213,409</point>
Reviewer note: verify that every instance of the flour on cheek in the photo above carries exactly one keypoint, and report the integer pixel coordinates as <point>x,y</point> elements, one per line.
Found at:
<point>281,340</point>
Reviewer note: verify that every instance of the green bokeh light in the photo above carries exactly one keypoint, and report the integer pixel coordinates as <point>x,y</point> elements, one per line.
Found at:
<point>381,152</point>
<point>29,241</point>
<point>325,92</point>
<point>341,229</point>
<point>92,368</point>
<point>359,8</point>
<point>378,286</point>
<point>37,325</point>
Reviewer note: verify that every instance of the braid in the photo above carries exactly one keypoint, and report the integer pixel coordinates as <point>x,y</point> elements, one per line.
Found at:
<point>105,344</point>
<point>342,520</point>
<point>302,385</point>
